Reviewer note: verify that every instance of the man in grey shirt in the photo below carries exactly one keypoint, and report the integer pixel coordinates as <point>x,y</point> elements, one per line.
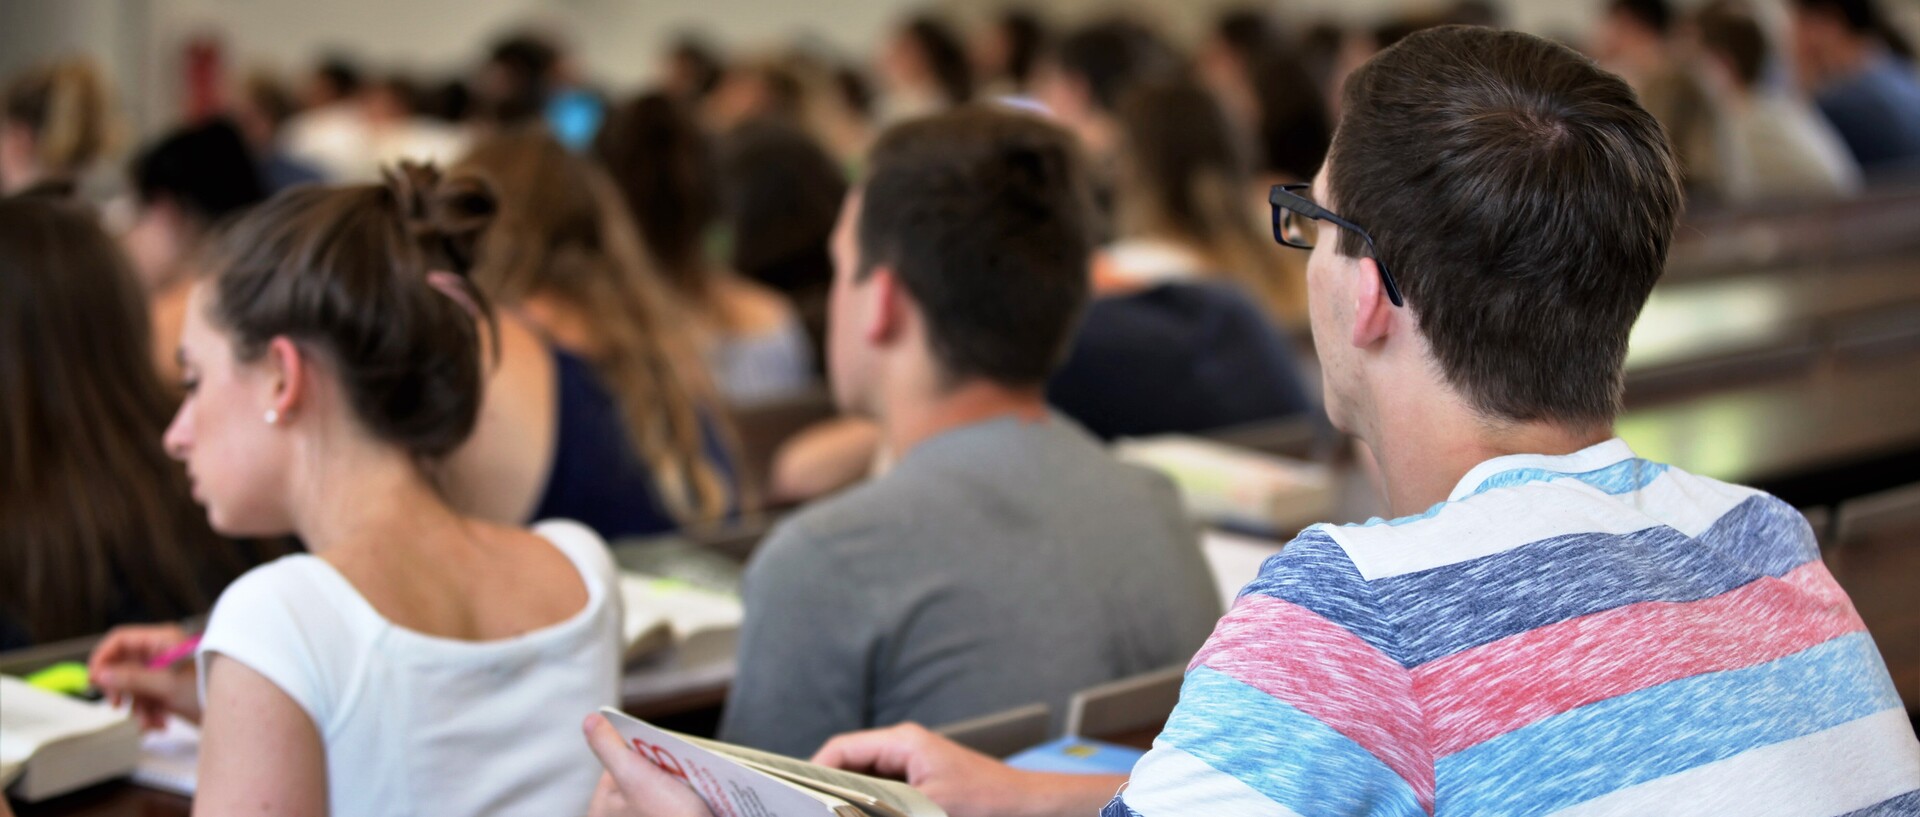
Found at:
<point>1006,559</point>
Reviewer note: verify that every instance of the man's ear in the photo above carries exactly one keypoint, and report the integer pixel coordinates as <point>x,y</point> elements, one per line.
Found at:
<point>887,306</point>
<point>288,374</point>
<point>1372,310</point>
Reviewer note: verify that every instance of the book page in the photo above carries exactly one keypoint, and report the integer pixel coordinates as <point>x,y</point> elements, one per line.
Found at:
<point>729,789</point>
<point>900,798</point>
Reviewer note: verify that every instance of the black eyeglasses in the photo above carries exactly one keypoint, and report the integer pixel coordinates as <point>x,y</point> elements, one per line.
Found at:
<point>1295,224</point>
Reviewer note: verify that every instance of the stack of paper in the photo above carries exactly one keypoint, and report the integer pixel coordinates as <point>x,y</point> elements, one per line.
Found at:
<point>1234,487</point>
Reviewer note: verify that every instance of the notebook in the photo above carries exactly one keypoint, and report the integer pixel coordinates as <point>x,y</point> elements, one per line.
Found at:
<point>701,624</point>
<point>51,744</point>
<point>1235,487</point>
<point>170,758</point>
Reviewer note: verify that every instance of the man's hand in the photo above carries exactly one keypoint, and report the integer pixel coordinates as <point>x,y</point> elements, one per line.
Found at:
<point>118,667</point>
<point>964,782</point>
<point>632,786</point>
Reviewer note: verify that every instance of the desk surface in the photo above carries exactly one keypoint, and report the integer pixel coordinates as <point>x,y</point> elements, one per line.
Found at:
<point>1806,435</point>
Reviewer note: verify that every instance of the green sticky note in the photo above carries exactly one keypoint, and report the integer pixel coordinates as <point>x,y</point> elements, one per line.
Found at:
<point>67,678</point>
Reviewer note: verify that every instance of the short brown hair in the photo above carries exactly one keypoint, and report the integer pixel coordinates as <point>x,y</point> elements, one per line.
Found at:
<point>1523,199</point>
<point>982,212</point>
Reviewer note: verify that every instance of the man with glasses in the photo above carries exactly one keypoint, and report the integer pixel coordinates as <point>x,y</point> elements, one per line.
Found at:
<point>1550,625</point>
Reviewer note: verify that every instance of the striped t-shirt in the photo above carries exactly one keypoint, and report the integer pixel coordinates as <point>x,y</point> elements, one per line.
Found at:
<point>1580,635</point>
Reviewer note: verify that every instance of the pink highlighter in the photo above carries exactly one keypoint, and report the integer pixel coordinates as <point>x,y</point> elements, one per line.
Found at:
<point>173,654</point>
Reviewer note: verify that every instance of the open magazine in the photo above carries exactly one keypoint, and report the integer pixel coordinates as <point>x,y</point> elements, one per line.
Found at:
<point>740,782</point>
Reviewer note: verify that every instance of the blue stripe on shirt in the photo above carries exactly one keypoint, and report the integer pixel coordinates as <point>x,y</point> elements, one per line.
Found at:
<point>1461,606</point>
<point>1619,742</point>
<point>1316,573</point>
<point>1283,753</point>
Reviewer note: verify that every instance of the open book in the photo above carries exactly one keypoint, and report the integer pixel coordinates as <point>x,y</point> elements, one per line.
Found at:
<point>660,613</point>
<point>739,782</point>
<point>51,744</point>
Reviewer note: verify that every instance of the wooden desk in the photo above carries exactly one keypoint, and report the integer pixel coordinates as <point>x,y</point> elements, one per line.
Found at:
<point>1844,430</point>
<point>115,799</point>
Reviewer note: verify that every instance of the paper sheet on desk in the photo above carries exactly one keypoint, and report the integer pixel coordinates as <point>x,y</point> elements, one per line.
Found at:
<point>170,758</point>
<point>1235,560</point>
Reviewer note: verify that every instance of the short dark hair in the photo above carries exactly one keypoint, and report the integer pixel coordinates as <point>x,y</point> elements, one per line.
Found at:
<point>1026,38</point>
<point>1656,15</point>
<point>1524,200</point>
<point>982,213</point>
<point>1736,38</point>
<point>206,170</point>
<point>1114,55</point>
<point>944,55</point>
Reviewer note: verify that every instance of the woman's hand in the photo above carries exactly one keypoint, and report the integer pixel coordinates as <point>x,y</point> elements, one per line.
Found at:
<point>118,667</point>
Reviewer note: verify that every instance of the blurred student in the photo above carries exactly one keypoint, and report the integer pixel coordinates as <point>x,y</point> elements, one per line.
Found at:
<point>1269,95</point>
<point>1006,52</point>
<point>1083,79</point>
<point>780,193</point>
<point>261,113</point>
<point>1006,558</point>
<point>98,524</point>
<point>1635,40</point>
<point>751,339</point>
<point>600,407</point>
<point>1185,335</point>
<point>413,659</point>
<point>1773,145</point>
<point>186,183</point>
<point>1860,70</point>
<point>55,124</point>
<point>923,70</point>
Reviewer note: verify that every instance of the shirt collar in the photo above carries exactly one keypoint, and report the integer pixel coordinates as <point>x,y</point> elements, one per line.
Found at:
<point>1591,458</point>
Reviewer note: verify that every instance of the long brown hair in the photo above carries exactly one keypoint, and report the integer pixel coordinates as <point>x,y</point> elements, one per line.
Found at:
<point>563,232</point>
<point>1187,180</point>
<point>96,524</point>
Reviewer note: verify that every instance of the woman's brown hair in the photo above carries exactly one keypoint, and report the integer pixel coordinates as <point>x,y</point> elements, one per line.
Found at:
<point>1187,180</point>
<point>563,233</point>
<point>97,526</point>
<point>374,279</point>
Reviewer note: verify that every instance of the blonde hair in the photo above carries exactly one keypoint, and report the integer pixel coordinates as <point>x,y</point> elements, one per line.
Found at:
<point>66,105</point>
<point>563,233</point>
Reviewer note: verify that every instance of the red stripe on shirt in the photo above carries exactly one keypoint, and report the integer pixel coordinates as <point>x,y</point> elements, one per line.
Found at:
<point>1322,669</point>
<point>1490,690</point>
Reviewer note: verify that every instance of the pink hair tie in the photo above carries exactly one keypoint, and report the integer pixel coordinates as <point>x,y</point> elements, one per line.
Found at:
<point>453,286</point>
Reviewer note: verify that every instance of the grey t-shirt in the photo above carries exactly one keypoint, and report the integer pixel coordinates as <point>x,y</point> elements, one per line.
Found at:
<point>997,565</point>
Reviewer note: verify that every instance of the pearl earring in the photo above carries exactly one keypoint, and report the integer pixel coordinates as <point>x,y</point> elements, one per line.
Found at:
<point>272,416</point>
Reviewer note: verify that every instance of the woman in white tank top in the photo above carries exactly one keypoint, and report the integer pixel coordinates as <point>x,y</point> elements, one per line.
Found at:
<point>415,661</point>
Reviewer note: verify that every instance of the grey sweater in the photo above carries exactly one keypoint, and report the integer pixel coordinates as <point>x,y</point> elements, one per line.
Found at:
<point>996,565</point>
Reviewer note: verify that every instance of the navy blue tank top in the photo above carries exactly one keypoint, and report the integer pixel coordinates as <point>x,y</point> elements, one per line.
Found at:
<point>598,478</point>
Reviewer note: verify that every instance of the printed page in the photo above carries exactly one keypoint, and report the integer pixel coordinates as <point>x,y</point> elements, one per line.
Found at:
<point>730,789</point>
<point>901,799</point>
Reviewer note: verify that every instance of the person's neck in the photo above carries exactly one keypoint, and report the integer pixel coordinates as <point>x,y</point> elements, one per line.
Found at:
<point>365,493</point>
<point>1424,447</point>
<point>913,418</point>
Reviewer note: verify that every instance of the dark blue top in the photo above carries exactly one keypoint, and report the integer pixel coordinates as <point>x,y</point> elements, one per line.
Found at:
<point>598,478</point>
<point>1180,357</point>
<point>281,171</point>
<point>1877,112</point>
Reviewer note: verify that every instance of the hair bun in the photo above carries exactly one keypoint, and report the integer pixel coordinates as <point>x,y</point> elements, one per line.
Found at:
<point>437,210</point>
